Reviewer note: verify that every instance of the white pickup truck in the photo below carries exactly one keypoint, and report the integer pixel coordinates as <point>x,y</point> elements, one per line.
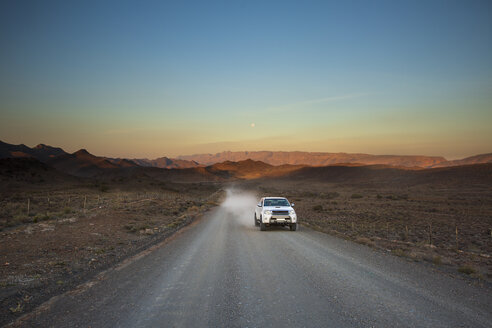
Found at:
<point>275,211</point>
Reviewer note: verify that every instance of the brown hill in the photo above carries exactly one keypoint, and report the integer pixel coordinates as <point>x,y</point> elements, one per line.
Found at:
<point>44,152</point>
<point>315,159</point>
<point>218,172</point>
<point>249,169</point>
<point>41,152</point>
<point>387,175</point>
<point>82,163</point>
<point>477,159</point>
<point>19,172</point>
<point>165,163</point>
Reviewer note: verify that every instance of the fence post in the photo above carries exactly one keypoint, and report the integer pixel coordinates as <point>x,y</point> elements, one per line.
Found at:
<point>85,200</point>
<point>430,233</point>
<point>28,205</point>
<point>456,231</point>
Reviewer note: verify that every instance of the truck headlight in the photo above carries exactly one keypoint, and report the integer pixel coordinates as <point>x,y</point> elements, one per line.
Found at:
<point>292,212</point>
<point>268,212</point>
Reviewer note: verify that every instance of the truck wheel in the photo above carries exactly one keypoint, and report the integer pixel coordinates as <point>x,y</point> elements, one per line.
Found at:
<point>293,227</point>
<point>262,226</point>
<point>256,222</point>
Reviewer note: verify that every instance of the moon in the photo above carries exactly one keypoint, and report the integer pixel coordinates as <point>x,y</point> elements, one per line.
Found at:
<point>252,125</point>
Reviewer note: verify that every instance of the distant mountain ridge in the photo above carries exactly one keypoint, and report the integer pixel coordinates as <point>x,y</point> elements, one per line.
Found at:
<point>41,152</point>
<point>316,159</point>
<point>82,163</point>
<point>226,164</point>
<point>477,159</point>
<point>165,163</point>
<point>324,159</point>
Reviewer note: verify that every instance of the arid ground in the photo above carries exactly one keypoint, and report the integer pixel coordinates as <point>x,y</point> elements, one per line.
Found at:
<point>70,233</point>
<point>445,224</point>
<point>59,231</point>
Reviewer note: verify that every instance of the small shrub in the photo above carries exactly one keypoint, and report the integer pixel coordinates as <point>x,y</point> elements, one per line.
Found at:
<point>398,252</point>
<point>356,196</point>
<point>332,195</point>
<point>365,241</point>
<point>466,269</point>
<point>379,196</point>
<point>437,260</point>
<point>318,208</point>
<point>173,225</point>
<point>397,197</point>
<point>17,309</point>
<point>40,217</point>
<point>130,228</point>
<point>67,210</point>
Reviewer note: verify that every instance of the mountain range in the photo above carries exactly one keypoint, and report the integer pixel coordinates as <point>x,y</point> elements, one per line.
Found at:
<point>324,159</point>
<point>245,165</point>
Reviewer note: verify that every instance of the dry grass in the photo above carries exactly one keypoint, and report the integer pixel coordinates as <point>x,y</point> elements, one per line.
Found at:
<point>467,269</point>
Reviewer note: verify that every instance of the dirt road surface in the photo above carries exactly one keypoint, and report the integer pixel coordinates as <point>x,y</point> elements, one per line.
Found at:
<point>224,272</point>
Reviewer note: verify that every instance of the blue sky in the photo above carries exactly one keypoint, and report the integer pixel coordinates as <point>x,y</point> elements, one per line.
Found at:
<point>155,78</point>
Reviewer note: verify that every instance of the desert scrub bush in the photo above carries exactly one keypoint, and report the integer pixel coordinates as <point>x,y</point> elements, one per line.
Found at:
<point>40,217</point>
<point>130,228</point>
<point>398,252</point>
<point>365,241</point>
<point>397,197</point>
<point>332,194</point>
<point>68,210</point>
<point>379,196</point>
<point>437,260</point>
<point>356,196</point>
<point>18,309</point>
<point>467,269</point>
<point>193,209</point>
<point>173,224</point>
<point>318,208</point>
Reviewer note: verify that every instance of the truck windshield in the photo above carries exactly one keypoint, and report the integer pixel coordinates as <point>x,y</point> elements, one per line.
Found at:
<point>276,202</point>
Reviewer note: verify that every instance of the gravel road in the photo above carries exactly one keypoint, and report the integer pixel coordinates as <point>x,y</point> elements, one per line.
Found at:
<point>224,272</point>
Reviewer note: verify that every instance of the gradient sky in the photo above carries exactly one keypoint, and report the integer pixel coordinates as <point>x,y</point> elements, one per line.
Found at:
<point>157,78</point>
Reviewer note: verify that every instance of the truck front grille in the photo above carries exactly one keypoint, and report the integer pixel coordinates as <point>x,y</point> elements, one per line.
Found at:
<point>280,212</point>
